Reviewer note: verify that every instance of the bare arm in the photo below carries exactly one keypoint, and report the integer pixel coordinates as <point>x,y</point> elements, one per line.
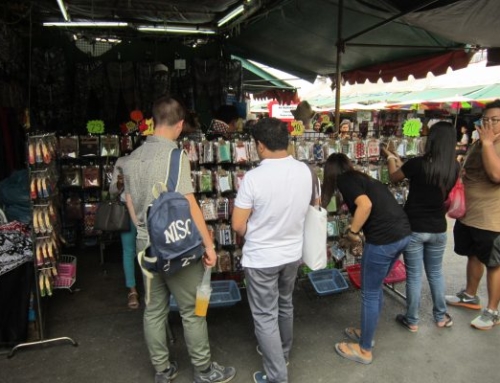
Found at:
<point>210,258</point>
<point>131,210</point>
<point>363,210</point>
<point>239,220</point>
<point>394,164</point>
<point>491,159</point>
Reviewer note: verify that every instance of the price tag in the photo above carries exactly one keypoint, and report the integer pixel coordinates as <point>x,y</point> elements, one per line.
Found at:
<point>297,128</point>
<point>411,128</point>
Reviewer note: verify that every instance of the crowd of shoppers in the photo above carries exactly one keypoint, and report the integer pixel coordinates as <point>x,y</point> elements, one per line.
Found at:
<point>270,211</point>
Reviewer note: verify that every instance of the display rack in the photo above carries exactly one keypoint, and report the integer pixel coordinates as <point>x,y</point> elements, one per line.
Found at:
<point>43,178</point>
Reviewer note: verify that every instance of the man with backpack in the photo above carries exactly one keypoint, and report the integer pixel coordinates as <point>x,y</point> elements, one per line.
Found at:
<point>151,170</point>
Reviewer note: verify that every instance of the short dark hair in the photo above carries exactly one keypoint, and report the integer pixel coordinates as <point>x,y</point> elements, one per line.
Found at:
<point>493,104</point>
<point>271,132</point>
<point>168,111</point>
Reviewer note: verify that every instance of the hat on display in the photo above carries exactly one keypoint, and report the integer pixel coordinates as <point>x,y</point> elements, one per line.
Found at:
<point>303,112</point>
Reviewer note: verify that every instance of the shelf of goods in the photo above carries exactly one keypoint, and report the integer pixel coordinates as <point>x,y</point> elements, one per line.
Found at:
<point>46,232</point>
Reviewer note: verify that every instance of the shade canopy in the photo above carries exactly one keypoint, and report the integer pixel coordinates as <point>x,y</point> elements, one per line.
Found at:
<point>378,38</point>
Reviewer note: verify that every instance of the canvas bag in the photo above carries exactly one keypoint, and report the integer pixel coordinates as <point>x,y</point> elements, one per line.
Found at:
<point>175,241</point>
<point>314,246</point>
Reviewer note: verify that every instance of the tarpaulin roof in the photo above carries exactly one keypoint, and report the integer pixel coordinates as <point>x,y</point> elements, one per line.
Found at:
<point>301,37</point>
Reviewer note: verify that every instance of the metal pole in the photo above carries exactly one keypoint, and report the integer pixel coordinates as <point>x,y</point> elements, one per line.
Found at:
<point>340,49</point>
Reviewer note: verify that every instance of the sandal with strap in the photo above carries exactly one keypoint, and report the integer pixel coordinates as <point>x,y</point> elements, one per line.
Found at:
<point>354,334</point>
<point>401,319</point>
<point>351,353</point>
<point>133,300</point>
<point>446,323</point>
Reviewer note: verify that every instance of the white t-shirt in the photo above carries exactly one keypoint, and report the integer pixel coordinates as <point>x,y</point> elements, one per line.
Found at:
<point>278,192</point>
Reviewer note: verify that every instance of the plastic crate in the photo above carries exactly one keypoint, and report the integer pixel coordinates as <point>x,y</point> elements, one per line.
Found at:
<point>328,281</point>
<point>396,275</point>
<point>224,293</point>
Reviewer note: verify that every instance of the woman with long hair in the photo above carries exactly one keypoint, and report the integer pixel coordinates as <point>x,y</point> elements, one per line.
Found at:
<point>386,229</point>
<point>431,177</point>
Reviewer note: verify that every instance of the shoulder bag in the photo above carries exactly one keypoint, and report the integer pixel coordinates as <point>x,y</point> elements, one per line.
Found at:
<point>314,246</point>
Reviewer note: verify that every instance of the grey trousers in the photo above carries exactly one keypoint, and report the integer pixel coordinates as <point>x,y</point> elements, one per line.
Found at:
<point>270,293</point>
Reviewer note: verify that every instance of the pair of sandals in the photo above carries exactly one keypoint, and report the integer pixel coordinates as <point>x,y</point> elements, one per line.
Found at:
<point>133,300</point>
<point>403,321</point>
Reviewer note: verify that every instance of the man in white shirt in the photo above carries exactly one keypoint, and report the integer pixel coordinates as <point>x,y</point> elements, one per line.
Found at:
<point>270,211</point>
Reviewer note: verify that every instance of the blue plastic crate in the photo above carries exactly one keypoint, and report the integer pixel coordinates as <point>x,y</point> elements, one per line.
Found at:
<point>328,281</point>
<point>224,293</point>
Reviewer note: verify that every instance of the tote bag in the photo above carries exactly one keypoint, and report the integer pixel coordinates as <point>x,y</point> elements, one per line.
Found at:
<point>314,246</point>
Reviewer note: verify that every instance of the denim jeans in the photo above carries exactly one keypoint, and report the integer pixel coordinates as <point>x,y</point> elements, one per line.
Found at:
<point>425,249</point>
<point>376,263</point>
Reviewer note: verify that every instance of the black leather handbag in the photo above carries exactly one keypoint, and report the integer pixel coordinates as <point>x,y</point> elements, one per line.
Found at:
<point>112,216</point>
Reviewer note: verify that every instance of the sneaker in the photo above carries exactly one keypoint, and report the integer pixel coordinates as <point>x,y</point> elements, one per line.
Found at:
<point>463,300</point>
<point>168,375</point>
<point>259,377</point>
<point>486,320</point>
<point>259,351</point>
<point>216,374</point>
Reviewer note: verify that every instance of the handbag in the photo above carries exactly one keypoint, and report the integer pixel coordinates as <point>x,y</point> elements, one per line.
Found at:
<point>112,216</point>
<point>456,200</point>
<point>314,245</point>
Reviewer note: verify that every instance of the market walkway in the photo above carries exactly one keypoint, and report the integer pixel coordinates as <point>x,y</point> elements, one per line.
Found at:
<point>111,346</point>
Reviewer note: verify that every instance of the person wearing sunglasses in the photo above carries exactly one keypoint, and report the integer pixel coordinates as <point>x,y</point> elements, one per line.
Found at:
<point>477,234</point>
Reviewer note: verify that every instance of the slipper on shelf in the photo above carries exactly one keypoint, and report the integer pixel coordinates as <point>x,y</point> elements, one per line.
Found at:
<point>133,300</point>
<point>351,353</point>
<point>401,319</point>
<point>447,322</point>
<point>353,333</point>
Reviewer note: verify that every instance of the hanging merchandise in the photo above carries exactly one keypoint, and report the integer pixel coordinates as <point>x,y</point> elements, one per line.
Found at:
<point>240,152</point>
<point>223,150</point>
<point>69,147</point>
<point>224,262</point>
<point>89,146</point>
<point>110,146</point>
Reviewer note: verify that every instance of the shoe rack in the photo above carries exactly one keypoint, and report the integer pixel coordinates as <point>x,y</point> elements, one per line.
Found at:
<point>46,228</point>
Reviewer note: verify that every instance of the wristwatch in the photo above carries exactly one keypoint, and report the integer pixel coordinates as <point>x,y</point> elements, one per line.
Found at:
<point>353,232</point>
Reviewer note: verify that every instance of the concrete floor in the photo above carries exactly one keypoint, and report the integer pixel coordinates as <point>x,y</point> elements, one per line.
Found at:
<point>111,345</point>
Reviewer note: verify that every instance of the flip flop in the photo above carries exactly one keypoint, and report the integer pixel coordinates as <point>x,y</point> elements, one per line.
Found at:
<point>352,355</point>
<point>133,301</point>
<point>352,334</point>
<point>448,321</point>
<point>401,319</point>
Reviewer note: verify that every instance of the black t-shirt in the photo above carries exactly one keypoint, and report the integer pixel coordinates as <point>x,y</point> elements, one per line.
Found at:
<point>425,203</point>
<point>387,222</point>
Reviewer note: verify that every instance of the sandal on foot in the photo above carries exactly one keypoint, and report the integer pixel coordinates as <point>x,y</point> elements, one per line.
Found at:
<point>447,323</point>
<point>351,353</point>
<point>401,319</point>
<point>353,334</point>
<point>133,301</point>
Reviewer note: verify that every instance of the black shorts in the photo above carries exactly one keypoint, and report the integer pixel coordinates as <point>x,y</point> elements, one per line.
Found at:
<point>483,244</point>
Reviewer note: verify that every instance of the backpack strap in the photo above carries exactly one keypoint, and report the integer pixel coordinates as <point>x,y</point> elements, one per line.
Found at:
<point>174,171</point>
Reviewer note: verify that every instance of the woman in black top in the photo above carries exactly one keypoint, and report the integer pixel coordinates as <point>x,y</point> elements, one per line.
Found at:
<point>387,231</point>
<point>431,176</point>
